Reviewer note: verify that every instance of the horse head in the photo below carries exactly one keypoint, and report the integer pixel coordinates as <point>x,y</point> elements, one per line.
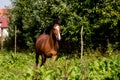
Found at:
<point>56,31</point>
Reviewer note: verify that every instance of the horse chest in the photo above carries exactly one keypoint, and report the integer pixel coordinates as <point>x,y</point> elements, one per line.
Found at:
<point>50,50</point>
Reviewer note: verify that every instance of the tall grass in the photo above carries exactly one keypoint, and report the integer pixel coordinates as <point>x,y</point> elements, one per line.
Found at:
<point>20,66</point>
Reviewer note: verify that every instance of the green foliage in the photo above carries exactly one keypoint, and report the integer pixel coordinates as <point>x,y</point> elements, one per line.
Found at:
<point>13,66</point>
<point>21,66</point>
<point>105,69</point>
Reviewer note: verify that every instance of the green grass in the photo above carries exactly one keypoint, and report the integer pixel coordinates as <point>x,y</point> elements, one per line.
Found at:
<point>21,66</point>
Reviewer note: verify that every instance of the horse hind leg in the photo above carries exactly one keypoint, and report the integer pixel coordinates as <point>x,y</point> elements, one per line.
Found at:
<point>37,59</point>
<point>43,59</point>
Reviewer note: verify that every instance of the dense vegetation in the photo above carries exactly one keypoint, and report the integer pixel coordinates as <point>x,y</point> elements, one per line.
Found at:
<point>100,19</point>
<point>20,66</point>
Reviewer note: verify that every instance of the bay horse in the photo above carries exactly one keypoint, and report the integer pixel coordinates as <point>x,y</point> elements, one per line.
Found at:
<point>47,44</point>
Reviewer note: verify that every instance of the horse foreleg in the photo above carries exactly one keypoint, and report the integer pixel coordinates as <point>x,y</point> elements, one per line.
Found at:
<point>43,60</point>
<point>54,57</point>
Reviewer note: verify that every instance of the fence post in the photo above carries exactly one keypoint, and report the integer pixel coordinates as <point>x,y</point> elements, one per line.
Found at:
<point>15,40</point>
<point>81,42</point>
<point>2,39</point>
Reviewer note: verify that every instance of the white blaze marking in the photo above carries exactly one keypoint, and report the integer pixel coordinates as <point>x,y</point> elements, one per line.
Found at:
<point>57,27</point>
<point>58,36</point>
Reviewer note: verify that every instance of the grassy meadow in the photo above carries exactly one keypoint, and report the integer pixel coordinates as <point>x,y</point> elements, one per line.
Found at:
<point>21,66</point>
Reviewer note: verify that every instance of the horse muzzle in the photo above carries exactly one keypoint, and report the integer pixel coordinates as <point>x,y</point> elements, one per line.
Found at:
<point>58,37</point>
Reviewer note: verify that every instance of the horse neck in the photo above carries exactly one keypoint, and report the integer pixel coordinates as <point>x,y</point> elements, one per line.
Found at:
<point>52,39</point>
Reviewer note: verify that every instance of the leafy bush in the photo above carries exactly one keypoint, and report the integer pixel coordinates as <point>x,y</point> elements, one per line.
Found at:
<point>105,69</point>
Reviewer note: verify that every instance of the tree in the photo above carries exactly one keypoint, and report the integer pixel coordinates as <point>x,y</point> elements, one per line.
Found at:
<point>98,17</point>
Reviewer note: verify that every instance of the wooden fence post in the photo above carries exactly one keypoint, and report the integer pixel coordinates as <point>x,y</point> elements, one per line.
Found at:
<point>2,39</point>
<point>81,42</point>
<point>15,41</point>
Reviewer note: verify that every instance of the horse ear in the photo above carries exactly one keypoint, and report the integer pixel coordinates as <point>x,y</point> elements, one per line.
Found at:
<point>59,22</point>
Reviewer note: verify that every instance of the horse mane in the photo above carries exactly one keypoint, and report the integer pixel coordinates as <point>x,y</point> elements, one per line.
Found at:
<point>48,29</point>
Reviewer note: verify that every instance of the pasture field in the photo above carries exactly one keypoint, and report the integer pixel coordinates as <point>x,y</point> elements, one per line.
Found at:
<point>20,66</point>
